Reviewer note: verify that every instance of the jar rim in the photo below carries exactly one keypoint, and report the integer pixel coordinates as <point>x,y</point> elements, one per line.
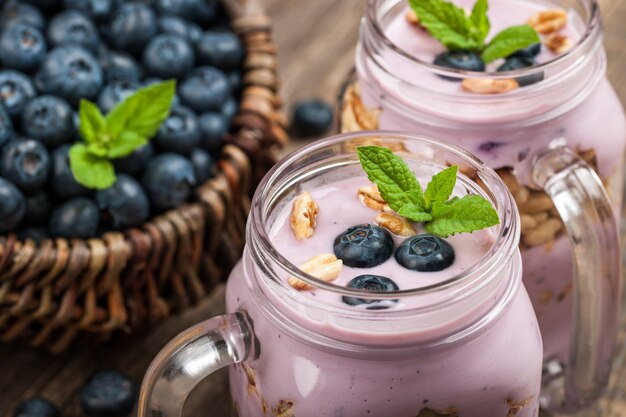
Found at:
<point>593,30</point>
<point>503,249</point>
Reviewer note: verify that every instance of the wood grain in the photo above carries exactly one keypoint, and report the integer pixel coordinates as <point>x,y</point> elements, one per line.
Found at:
<point>316,41</point>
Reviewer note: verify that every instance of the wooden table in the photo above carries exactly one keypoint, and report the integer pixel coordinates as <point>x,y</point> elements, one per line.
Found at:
<point>316,41</point>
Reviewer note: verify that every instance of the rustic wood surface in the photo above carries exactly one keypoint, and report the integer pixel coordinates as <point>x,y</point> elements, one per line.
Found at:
<point>316,41</point>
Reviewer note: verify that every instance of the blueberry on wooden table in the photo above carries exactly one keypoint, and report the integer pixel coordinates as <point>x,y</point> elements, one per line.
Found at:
<point>363,246</point>
<point>425,253</point>
<point>108,394</point>
<point>312,118</point>
<point>374,283</point>
<point>36,407</point>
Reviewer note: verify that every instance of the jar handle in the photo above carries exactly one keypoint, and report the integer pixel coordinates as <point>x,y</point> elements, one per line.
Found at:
<point>582,202</point>
<point>190,357</point>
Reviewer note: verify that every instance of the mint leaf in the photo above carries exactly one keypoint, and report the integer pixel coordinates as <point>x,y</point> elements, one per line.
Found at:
<point>448,24</point>
<point>90,170</point>
<point>480,20</point>
<point>414,213</point>
<point>396,183</point>
<point>508,41</point>
<point>92,123</point>
<point>466,214</point>
<point>441,185</point>
<point>97,149</point>
<point>125,144</point>
<point>143,112</point>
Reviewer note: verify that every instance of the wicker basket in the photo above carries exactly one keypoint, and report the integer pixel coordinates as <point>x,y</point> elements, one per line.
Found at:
<point>53,292</point>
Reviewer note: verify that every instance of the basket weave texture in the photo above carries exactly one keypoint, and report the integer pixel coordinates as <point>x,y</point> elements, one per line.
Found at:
<point>62,289</point>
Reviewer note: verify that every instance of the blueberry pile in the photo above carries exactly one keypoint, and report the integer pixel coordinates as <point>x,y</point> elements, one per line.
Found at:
<point>53,53</point>
<point>366,245</point>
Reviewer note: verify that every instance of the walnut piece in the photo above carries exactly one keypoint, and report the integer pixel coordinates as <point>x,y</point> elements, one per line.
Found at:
<point>370,196</point>
<point>516,406</point>
<point>489,85</point>
<point>397,225</point>
<point>558,43</point>
<point>548,21</point>
<point>325,267</point>
<point>303,214</point>
<point>283,409</point>
<point>354,115</point>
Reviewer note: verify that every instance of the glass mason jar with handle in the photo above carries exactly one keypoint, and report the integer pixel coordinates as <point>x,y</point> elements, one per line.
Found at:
<point>558,144</point>
<point>468,346</point>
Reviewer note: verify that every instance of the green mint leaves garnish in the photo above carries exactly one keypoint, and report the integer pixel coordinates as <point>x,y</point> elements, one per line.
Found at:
<point>456,31</point>
<point>131,124</point>
<point>442,215</point>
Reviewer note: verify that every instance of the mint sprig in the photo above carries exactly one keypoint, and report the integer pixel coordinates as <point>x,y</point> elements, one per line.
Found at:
<point>129,125</point>
<point>450,25</point>
<point>442,215</point>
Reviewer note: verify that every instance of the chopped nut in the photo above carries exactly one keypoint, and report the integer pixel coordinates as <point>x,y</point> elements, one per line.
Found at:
<point>545,297</point>
<point>412,17</point>
<point>558,43</point>
<point>397,225</point>
<point>354,115</point>
<point>516,406</point>
<point>544,233</point>
<point>509,180</point>
<point>540,217</point>
<point>370,196</point>
<point>429,412</point>
<point>521,195</point>
<point>303,214</point>
<point>489,85</point>
<point>548,21</point>
<point>325,267</point>
<point>283,409</point>
<point>528,223</point>
<point>537,202</point>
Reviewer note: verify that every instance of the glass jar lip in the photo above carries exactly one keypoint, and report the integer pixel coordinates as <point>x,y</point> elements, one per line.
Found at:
<point>504,247</point>
<point>593,27</point>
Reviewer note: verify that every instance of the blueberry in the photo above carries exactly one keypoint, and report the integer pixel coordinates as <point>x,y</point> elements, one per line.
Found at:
<point>48,6</point>
<point>15,90</point>
<point>131,27</point>
<point>71,72</point>
<point>78,217</point>
<point>179,133</point>
<point>38,206</point>
<point>179,26</point>
<point>36,407</point>
<point>374,283</point>
<point>6,128</point>
<point>168,56</point>
<point>62,180</point>
<point>461,60</point>
<point>425,253</point>
<point>312,118</point>
<point>115,93</point>
<point>38,234</point>
<point>74,27</point>
<point>26,163</point>
<point>135,163</point>
<point>515,63</point>
<point>205,90</point>
<point>18,12</point>
<point>118,66</point>
<point>12,206</point>
<point>99,10</point>
<point>528,52</point>
<point>222,50</point>
<point>168,180</point>
<point>234,77</point>
<point>363,246</point>
<point>203,12</point>
<point>49,119</point>
<point>230,109</point>
<point>125,202</point>
<point>108,394</point>
<point>213,128</point>
<point>202,163</point>
<point>22,47</point>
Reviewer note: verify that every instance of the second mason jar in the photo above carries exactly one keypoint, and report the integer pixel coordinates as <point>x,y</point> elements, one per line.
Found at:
<point>558,144</point>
